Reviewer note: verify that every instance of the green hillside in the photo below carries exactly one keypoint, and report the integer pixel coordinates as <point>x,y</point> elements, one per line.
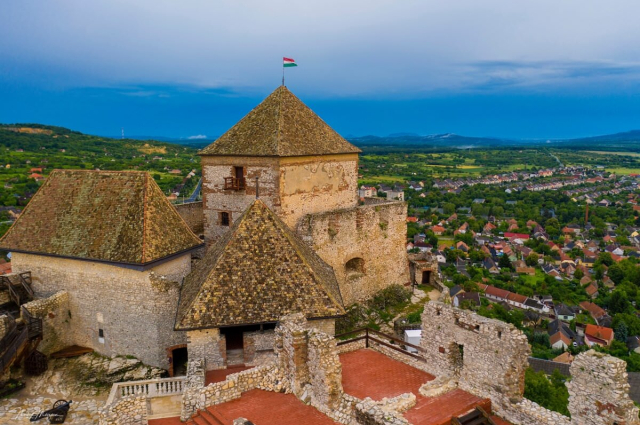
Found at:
<point>28,151</point>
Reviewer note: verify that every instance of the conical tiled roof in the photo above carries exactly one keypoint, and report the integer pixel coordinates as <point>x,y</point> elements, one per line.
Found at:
<point>259,272</point>
<point>280,126</point>
<point>113,216</point>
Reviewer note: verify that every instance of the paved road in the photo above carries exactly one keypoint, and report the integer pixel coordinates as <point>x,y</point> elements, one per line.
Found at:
<point>556,158</point>
<point>195,193</point>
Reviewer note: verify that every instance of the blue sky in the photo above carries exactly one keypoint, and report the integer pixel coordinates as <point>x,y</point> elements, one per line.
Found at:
<point>543,69</point>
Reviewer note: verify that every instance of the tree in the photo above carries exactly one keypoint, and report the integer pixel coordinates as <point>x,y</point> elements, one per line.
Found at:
<point>505,263</point>
<point>532,259</point>
<point>550,393</point>
<point>604,258</point>
<point>618,303</point>
<point>579,274</point>
<point>621,332</point>
<point>616,273</point>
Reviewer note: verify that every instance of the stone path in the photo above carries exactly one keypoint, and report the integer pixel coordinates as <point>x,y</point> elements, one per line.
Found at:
<point>18,411</point>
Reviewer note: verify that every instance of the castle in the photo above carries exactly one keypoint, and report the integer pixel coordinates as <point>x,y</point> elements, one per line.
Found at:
<point>120,271</point>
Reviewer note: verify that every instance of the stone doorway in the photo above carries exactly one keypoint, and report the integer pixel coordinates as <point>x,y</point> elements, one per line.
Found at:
<point>426,277</point>
<point>178,358</point>
<point>234,337</point>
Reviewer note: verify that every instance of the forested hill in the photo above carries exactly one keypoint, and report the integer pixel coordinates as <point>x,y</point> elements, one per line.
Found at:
<point>29,152</point>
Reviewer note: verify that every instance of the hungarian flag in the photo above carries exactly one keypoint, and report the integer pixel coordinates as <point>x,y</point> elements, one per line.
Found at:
<point>288,62</point>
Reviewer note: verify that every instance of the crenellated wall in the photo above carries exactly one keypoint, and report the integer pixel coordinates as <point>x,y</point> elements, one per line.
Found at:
<point>373,236</point>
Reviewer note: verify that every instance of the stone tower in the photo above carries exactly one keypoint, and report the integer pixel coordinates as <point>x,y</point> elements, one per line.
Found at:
<point>307,174</point>
<point>299,164</point>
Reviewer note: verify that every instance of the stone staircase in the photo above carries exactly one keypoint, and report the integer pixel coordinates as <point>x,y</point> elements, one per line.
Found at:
<point>209,416</point>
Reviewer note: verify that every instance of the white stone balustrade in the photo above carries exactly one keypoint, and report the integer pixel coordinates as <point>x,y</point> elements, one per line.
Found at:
<point>149,388</point>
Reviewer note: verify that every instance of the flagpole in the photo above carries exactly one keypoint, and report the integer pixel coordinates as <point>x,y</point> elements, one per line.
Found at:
<point>283,72</point>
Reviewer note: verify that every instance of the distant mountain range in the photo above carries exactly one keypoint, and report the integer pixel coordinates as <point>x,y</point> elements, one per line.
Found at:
<point>617,141</point>
<point>629,139</point>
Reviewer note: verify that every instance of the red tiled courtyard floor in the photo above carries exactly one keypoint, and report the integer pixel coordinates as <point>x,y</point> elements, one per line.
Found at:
<point>269,408</point>
<point>368,373</point>
<point>220,375</point>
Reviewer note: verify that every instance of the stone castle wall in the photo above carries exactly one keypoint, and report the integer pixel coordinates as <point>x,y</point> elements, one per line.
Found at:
<point>599,391</point>
<point>135,309</point>
<point>192,214</point>
<point>488,358</point>
<point>56,321</point>
<point>216,199</point>
<point>375,233</point>
<point>292,187</point>
<point>314,184</point>
<point>210,345</point>
<point>485,356</point>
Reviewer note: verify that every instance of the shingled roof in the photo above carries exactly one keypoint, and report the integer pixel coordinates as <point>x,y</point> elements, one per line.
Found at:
<point>280,126</point>
<point>259,272</point>
<point>112,216</point>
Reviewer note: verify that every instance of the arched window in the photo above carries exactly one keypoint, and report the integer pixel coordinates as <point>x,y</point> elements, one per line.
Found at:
<point>354,267</point>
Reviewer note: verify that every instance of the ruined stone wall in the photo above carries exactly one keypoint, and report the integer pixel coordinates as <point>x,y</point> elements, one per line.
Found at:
<point>599,391</point>
<point>325,371</point>
<point>192,214</point>
<point>196,377</point>
<point>208,344</point>
<point>256,342</point>
<point>131,410</point>
<point>375,233</point>
<point>216,199</point>
<point>314,184</point>
<point>327,326</point>
<point>56,321</point>
<point>135,309</point>
<point>485,356</point>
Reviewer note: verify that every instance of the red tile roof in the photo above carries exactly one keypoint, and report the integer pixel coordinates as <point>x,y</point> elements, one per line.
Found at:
<point>599,332</point>
<point>595,310</point>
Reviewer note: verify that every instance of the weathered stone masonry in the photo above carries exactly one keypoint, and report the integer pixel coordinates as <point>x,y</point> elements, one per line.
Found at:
<point>365,245</point>
<point>192,214</point>
<point>488,358</point>
<point>135,309</point>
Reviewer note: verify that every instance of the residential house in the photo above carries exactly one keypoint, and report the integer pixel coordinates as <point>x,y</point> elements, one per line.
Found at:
<point>598,335</point>
<point>472,298</point>
<point>564,313</point>
<point>561,336</point>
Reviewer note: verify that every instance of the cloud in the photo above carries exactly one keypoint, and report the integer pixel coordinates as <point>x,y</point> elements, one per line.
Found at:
<point>344,49</point>
<point>197,137</point>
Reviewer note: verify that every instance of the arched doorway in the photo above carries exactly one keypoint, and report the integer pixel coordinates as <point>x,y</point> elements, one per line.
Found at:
<point>178,358</point>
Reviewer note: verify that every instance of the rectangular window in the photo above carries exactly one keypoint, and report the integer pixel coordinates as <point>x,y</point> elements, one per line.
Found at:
<point>238,172</point>
<point>225,218</point>
<point>101,336</point>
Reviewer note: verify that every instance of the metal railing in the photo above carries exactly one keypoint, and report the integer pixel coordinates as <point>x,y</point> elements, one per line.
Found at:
<point>149,388</point>
<point>234,183</point>
<point>370,335</point>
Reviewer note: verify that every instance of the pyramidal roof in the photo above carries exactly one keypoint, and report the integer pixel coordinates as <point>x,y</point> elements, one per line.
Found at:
<point>112,216</point>
<point>259,272</point>
<point>280,126</point>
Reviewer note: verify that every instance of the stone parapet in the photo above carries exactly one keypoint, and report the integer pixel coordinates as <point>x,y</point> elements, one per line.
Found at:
<point>599,391</point>
<point>368,412</point>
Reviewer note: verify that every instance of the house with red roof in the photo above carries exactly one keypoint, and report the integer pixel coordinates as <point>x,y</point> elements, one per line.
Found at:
<point>598,335</point>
